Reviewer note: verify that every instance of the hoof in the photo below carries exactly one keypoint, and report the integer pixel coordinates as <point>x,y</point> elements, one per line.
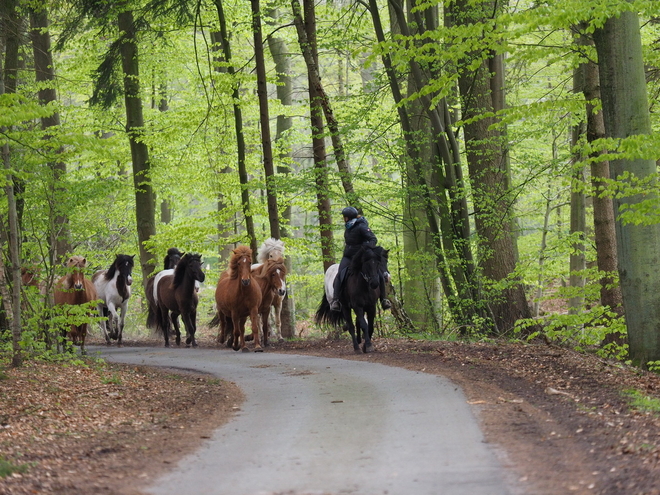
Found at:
<point>245,349</point>
<point>368,348</point>
<point>167,344</point>
<point>194,343</point>
<point>357,350</point>
<point>258,349</point>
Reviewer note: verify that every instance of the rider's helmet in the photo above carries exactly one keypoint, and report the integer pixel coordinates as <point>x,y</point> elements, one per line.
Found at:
<point>349,212</point>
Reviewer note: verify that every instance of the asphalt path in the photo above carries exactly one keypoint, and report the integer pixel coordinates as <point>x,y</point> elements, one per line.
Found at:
<point>312,425</point>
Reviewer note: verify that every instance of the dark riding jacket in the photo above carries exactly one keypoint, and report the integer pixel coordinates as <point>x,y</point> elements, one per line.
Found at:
<point>356,234</point>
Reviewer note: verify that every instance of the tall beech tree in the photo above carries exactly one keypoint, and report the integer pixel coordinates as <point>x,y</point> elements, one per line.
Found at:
<point>626,113</point>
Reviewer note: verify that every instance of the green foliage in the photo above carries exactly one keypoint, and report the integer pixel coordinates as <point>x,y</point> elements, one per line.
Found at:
<point>7,468</point>
<point>641,402</point>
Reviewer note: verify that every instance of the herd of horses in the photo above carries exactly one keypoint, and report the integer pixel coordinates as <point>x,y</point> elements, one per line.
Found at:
<point>244,290</point>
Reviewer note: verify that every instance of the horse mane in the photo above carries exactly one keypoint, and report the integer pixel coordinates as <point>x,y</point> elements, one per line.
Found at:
<point>365,253</point>
<point>171,253</point>
<point>271,265</point>
<point>76,261</point>
<point>110,272</point>
<point>272,246</point>
<point>182,266</point>
<point>237,254</point>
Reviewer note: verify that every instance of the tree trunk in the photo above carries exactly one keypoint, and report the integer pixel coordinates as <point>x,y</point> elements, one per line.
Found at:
<point>307,40</point>
<point>603,207</point>
<point>145,204</point>
<point>264,119</point>
<point>279,52</point>
<point>12,43</point>
<point>487,156</point>
<point>60,243</point>
<point>238,125</point>
<point>321,178</point>
<point>626,113</point>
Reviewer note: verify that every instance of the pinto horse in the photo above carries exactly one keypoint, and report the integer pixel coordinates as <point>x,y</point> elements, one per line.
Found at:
<point>75,290</point>
<point>271,278</point>
<point>171,259</point>
<point>113,287</point>
<point>237,298</point>
<point>176,293</point>
<point>359,293</point>
<point>272,249</point>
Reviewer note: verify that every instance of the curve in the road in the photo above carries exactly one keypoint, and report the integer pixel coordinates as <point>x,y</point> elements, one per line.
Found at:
<point>312,425</point>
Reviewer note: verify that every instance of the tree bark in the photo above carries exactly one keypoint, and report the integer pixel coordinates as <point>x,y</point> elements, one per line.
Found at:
<point>238,125</point>
<point>145,204</point>
<point>321,174</point>
<point>626,113</point>
<point>264,119</point>
<point>307,39</point>
<point>487,157</point>
<point>279,52</point>
<point>59,243</point>
<point>12,23</point>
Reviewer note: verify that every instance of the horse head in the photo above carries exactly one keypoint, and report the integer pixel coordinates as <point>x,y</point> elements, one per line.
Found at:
<point>384,258</point>
<point>76,279</point>
<point>241,264</point>
<point>270,249</point>
<point>367,262</point>
<point>275,272</point>
<point>123,264</point>
<point>172,258</point>
<point>190,263</point>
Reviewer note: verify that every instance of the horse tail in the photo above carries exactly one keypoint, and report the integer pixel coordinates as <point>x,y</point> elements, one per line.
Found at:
<point>215,321</point>
<point>325,316</point>
<point>152,318</point>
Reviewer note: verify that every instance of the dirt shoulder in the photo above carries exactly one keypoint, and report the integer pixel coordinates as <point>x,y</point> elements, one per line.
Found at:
<point>562,421</point>
<point>103,428</point>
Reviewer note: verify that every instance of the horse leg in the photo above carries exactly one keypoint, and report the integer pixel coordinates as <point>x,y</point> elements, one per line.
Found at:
<point>346,313</point>
<point>177,329</point>
<point>278,317</point>
<point>113,319</point>
<point>164,323</point>
<point>124,308</point>
<point>371,316</point>
<point>265,325</point>
<point>83,334</point>
<point>254,320</point>
<point>103,323</point>
<point>239,333</point>
<point>363,328</point>
<point>189,322</point>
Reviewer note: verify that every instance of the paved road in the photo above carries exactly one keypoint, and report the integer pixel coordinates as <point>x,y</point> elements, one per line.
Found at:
<point>313,425</point>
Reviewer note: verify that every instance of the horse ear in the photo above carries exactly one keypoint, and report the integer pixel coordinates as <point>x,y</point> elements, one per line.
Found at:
<point>132,256</point>
<point>84,262</point>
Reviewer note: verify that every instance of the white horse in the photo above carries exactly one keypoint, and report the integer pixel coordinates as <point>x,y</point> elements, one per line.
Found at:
<point>272,249</point>
<point>113,288</point>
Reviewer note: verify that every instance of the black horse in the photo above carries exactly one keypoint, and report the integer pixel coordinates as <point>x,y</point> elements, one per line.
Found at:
<point>359,292</point>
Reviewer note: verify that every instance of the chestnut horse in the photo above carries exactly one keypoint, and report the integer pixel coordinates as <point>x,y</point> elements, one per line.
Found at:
<point>272,249</point>
<point>177,293</point>
<point>271,278</point>
<point>237,298</point>
<point>113,287</point>
<point>74,290</point>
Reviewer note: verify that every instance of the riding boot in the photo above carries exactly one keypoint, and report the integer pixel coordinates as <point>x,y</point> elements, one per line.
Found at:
<point>335,305</point>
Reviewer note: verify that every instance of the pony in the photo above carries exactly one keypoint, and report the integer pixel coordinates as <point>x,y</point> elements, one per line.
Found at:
<point>271,278</point>
<point>272,249</point>
<point>237,298</point>
<point>359,293</point>
<point>75,290</point>
<point>171,259</point>
<point>113,287</point>
<point>176,293</point>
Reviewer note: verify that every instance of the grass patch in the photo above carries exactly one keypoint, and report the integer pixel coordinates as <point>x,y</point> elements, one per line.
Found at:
<point>7,468</point>
<point>641,402</point>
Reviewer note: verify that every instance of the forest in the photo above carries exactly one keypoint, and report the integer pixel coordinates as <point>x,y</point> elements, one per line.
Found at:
<point>504,153</point>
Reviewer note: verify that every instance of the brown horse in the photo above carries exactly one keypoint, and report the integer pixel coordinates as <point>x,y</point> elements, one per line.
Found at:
<point>177,293</point>
<point>74,289</point>
<point>271,278</point>
<point>237,298</point>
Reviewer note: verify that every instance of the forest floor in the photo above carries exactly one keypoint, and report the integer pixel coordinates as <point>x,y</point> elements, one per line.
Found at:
<point>563,422</point>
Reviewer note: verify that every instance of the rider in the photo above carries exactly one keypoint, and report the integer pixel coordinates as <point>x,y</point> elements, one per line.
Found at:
<point>356,234</point>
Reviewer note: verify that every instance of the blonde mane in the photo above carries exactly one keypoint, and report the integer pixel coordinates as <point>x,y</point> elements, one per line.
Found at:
<point>270,249</point>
